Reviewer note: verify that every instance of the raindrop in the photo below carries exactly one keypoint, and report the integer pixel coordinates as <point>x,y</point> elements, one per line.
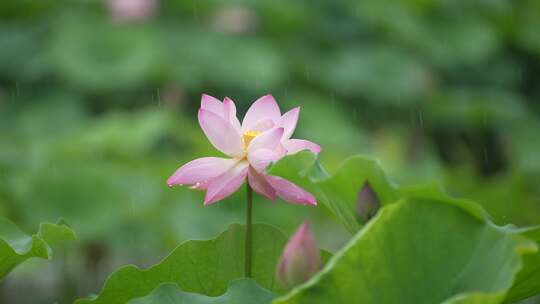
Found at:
<point>195,12</point>
<point>132,206</point>
<point>421,119</point>
<point>158,97</point>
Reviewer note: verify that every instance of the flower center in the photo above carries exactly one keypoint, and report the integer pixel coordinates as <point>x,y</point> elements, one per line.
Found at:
<point>248,137</point>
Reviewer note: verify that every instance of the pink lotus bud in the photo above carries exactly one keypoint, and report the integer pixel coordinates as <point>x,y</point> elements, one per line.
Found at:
<point>301,258</point>
<point>367,203</point>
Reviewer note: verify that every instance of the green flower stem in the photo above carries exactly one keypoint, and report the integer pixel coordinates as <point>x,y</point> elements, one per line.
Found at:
<point>249,237</point>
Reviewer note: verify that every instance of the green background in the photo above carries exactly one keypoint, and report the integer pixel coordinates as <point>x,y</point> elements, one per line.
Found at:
<point>97,112</point>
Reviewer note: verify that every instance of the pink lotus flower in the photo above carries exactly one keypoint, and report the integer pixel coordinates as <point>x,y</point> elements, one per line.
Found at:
<point>301,258</point>
<point>263,137</point>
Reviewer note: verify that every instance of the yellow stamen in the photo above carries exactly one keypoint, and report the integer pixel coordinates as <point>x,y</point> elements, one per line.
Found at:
<point>248,137</point>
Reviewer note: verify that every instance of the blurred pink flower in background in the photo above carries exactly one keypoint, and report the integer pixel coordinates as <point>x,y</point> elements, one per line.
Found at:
<point>300,260</point>
<point>235,20</point>
<point>263,137</point>
<point>131,10</point>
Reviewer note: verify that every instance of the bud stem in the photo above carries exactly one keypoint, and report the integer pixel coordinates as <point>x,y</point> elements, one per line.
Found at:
<point>249,237</point>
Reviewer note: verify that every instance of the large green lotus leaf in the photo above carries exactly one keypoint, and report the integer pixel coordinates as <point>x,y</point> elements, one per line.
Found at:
<point>339,191</point>
<point>421,251</point>
<point>240,291</point>
<point>16,246</point>
<point>527,282</point>
<point>434,191</point>
<point>204,267</point>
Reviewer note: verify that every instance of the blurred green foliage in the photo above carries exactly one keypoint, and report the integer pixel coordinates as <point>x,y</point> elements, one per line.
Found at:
<point>96,112</point>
